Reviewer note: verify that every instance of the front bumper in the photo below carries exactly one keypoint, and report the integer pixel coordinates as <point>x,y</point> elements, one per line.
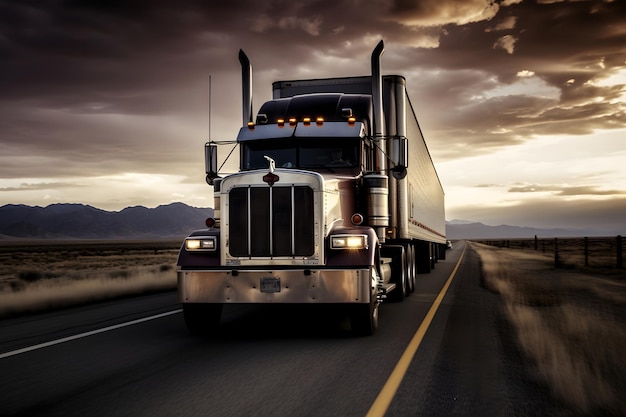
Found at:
<point>295,286</point>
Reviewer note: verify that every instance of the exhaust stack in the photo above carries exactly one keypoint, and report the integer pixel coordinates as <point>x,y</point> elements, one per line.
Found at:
<point>246,87</point>
<point>377,101</point>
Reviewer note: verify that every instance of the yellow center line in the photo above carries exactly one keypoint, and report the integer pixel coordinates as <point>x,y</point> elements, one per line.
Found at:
<point>380,406</point>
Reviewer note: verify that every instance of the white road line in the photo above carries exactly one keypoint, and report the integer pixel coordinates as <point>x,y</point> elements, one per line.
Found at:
<point>86,334</point>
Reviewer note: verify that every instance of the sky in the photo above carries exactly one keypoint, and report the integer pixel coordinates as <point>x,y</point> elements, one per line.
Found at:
<point>522,103</point>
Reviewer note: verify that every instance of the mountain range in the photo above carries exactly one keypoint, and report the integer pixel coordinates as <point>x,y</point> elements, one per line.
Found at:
<point>78,221</point>
<point>176,220</point>
<point>462,229</point>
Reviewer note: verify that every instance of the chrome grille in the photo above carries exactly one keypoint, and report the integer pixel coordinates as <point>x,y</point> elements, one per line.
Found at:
<point>271,221</point>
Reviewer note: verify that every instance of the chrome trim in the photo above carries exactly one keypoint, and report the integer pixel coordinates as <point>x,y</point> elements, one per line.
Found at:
<point>297,286</point>
<point>249,221</point>
<point>271,233</point>
<point>293,177</point>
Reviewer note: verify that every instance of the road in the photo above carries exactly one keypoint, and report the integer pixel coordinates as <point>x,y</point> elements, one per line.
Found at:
<point>133,357</point>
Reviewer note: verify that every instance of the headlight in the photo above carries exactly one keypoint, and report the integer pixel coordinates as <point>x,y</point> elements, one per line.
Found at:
<point>348,242</point>
<point>208,243</point>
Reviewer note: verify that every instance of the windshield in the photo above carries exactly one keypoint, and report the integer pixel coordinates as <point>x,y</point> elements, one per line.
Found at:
<point>302,153</point>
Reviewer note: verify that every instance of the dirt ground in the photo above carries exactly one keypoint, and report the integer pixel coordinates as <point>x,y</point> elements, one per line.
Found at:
<point>36,276</point>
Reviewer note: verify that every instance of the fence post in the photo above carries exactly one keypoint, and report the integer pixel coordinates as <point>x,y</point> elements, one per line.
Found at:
<point>535,242</point>
<point>556,253</point>
<point>619,264</point>
<point>586,251</point>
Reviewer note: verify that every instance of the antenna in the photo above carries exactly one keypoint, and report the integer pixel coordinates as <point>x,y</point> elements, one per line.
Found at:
<point>209,107</point>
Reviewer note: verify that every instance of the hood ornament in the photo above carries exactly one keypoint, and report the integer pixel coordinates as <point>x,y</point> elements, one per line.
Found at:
<point>270,177</point>
<point>271,162</point>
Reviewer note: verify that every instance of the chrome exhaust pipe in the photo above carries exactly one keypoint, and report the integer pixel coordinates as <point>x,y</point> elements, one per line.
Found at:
<point>377,101</point>
<point>246,87</point>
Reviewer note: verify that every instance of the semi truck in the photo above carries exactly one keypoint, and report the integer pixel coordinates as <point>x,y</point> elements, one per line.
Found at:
<point>336,203</point>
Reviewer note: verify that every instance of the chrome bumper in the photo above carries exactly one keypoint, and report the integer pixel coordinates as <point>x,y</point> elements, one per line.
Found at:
<point>295,286</point>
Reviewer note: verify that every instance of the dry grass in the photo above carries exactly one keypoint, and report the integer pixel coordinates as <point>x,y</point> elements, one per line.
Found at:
<point>571,325</point>
<point>40,276</point>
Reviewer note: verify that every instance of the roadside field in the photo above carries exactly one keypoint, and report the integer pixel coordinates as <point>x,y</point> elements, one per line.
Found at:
<point>597,254</point>
<point>571,325</point>
<point>39,275</point>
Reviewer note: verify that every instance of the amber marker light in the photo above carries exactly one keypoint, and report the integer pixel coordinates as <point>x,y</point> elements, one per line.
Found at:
<point>251,125</point>
<point>356,219</point>
<point>292,121</point>
<point>280,122</point>
<point>351,120</point>
<point>319,121</point>
<point>307,121</point>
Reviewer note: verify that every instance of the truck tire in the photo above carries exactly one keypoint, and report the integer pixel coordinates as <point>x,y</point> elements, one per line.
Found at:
<point>364,318</point>
<point>399,275</point>
<point>422,257</point>
<point>202,319</point>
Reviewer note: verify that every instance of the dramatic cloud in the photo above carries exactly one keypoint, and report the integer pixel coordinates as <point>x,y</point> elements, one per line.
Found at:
<point>435,12</point>
<point>95,89</point>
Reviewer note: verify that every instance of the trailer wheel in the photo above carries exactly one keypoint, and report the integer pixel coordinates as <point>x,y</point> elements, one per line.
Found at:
<point>434,255</point>
<point>202,319</point>
<point>411,267</point>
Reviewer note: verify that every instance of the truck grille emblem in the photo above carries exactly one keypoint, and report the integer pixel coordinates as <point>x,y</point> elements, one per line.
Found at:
<point>270,178</point>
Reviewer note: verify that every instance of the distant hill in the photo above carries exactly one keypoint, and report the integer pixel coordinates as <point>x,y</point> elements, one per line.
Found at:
<point>461,229</point>
<point>78,221</point>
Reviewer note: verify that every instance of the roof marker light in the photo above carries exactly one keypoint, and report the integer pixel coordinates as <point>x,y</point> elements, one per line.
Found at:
<point>319,121</point>
<point>280,122</point>
<point>292,121</point>
<point>307,121</point>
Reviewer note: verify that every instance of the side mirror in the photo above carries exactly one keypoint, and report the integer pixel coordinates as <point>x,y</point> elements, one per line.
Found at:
<point>210,162</point>
<point>399,155</point>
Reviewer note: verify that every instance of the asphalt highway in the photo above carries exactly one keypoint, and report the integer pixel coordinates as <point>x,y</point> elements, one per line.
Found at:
<point>133,357</point>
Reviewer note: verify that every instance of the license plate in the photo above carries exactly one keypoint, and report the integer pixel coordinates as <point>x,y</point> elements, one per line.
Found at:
<point>270,284</point>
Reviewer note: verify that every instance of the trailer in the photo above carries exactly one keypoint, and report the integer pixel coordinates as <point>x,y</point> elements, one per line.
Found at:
<point>336,203</point>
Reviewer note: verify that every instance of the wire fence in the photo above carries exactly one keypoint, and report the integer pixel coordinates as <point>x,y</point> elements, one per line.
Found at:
<point>588,252</point>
